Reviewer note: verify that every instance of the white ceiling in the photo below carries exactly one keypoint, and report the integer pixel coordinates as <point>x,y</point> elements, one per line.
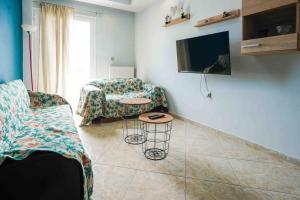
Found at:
<point>129,5</point>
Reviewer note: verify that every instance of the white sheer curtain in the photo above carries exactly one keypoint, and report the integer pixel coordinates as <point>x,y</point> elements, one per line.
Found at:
<point>53,66</point>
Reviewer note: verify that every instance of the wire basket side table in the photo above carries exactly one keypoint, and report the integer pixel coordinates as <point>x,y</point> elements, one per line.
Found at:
<point>158,134</point>
<point>131,125</point>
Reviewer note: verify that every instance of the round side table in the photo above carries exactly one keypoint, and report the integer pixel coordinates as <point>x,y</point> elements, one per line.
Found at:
<point>157,133</point>
<point>131,125</point>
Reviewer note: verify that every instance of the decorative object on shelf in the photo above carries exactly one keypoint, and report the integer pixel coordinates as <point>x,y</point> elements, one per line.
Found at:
<point>180,9</point>
<point>178,20</point>
<point>226,14</point>
<point>177,15</point>
<point>168,20</point>
<point>182,14</point>
<point>30,29</point>
<point>176,10</point>
<point>283,29</point>
<point>274,31</point>
<point>219,18</point>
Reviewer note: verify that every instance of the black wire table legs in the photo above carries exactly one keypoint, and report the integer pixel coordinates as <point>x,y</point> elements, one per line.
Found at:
<point>156,146</point>
<point>132,132</point>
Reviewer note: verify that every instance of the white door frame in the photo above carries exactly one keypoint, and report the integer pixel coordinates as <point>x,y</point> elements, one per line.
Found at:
<point>93,60</point>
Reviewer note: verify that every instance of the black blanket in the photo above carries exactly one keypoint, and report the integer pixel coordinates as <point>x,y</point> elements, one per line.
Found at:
<point>41,176</point>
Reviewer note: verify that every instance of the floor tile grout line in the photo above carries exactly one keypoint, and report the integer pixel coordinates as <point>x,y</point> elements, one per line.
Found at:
<point>240,139</point>
<point>228,158</point>
<point>155,172</point>
<point>262,162</point>
<point>198,126</point>
<point>218,138</point>
<point>130,182</point>
<point>214,181</point>
<point>242,159</point>
<point>232,136</point>
<point>200,179</point>
<point>243,186</point>
<point>233,170</point>
<point>267,190</point>
<point>250,160</point>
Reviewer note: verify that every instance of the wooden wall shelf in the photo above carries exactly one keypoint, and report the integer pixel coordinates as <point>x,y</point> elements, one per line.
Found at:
<point>219,18</point>
<point>178,20</point>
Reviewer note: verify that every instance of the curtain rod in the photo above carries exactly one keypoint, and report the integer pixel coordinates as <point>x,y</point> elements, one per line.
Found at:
<point>76,9</point>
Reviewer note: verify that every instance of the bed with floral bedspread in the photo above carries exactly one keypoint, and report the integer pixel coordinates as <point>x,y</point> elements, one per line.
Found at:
<point>101,98</point>
<point>32,121</point>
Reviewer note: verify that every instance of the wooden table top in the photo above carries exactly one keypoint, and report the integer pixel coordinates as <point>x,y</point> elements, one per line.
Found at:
<point>167,118</point>
<point>135,101</point>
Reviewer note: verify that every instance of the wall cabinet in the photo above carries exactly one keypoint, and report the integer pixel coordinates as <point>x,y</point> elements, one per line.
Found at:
<point>270,26</point>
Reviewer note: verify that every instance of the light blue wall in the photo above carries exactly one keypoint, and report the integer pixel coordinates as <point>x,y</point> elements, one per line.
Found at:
<point>10,40</point>
<point>260,102</point>
<point>115,38</point>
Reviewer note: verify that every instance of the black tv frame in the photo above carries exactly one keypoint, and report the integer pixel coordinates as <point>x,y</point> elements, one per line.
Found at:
<point>198,72</point>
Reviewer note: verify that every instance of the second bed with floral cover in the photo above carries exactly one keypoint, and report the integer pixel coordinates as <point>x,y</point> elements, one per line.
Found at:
<point>31,122</point>
<point>101,98</point>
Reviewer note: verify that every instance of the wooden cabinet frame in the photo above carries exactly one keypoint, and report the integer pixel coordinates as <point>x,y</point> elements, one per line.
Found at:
<point>257,13</point>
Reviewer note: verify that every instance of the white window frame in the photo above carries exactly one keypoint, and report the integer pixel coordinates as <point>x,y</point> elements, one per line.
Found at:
<point>36,13</point>
<point>93,46</point>
<point>77,16</point>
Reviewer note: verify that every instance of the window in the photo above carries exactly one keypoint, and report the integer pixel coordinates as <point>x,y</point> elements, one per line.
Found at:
<point>35,47</point>
<point>82,55</point>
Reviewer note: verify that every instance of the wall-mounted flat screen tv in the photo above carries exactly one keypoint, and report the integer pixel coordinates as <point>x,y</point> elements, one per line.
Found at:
<point>209,54</point>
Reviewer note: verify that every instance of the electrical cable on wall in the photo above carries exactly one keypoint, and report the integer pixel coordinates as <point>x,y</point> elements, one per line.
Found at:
<point>207,92</point>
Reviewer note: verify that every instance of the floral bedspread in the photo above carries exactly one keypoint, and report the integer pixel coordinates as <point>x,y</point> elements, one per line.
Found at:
<point>101,98</point>
<point>39,122</point>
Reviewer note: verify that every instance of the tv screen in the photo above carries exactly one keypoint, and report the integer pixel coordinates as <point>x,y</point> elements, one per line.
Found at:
<point>209,54</point>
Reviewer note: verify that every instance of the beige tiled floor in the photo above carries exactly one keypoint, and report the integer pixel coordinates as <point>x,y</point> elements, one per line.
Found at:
<point>202,165</point>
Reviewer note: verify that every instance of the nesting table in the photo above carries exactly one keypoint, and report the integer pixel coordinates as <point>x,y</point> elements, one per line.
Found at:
<point>131,125</point>
<point>153,134</point>
<point>157,133</point>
